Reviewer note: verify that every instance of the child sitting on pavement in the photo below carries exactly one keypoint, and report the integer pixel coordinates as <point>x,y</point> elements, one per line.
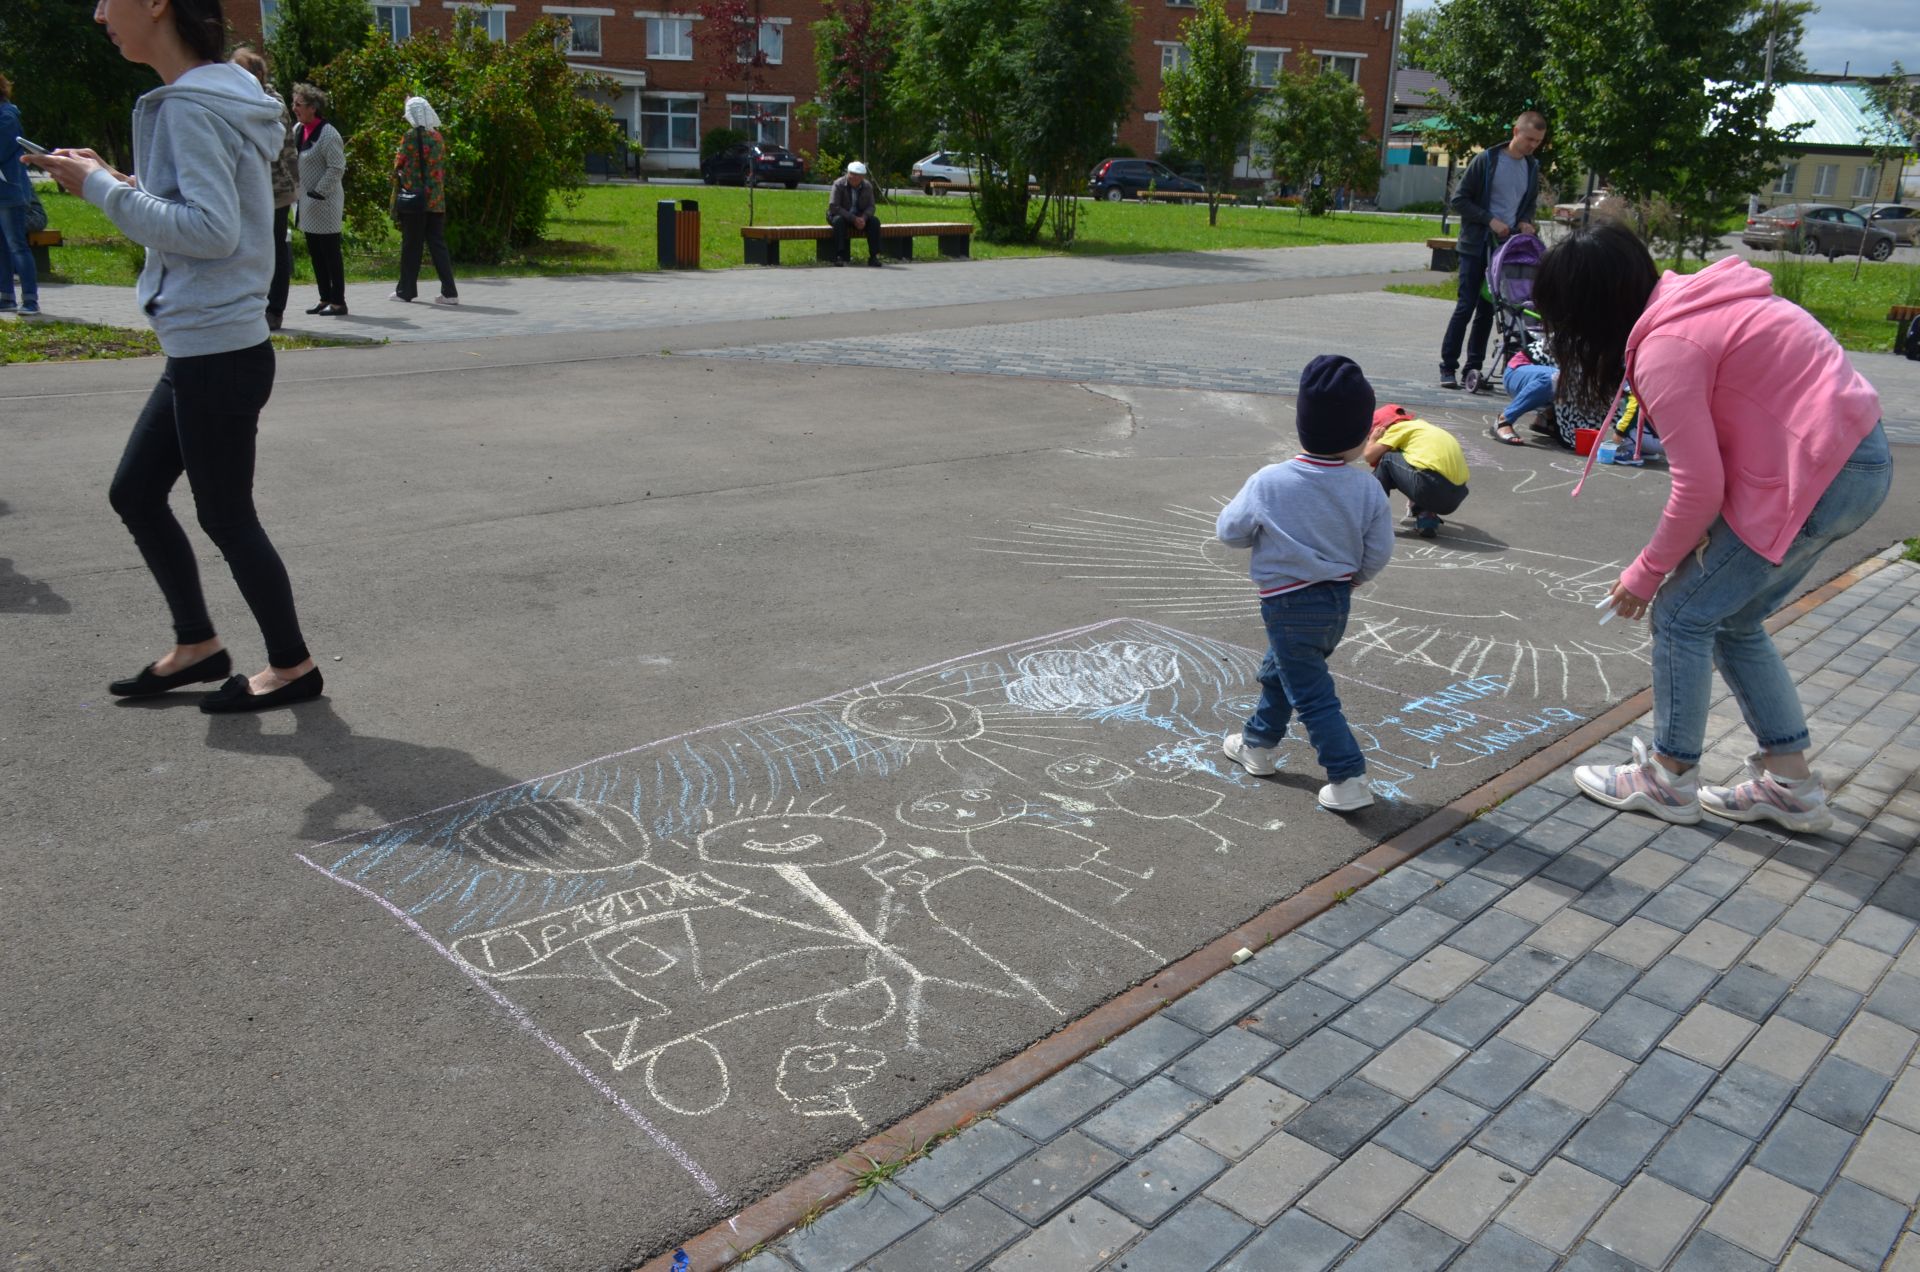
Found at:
<point>1421,461</point>
<point>1318,529</point>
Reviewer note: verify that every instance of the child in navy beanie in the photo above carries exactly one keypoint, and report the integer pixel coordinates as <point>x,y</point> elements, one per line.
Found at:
<point>1318,529</point>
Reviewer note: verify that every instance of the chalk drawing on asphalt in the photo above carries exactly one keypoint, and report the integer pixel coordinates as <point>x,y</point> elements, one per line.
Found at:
<point>1170,566</point>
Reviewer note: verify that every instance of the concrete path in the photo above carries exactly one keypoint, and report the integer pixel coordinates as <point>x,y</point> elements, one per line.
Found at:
<point>1562,1038</point>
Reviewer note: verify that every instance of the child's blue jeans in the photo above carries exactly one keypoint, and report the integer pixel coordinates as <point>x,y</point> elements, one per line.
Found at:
<point>1304,627</point>
<point>1532,388</point>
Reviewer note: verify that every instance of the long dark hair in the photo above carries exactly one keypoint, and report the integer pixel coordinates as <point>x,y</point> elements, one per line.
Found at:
<point>1590,290</point>
<point>202,27</point>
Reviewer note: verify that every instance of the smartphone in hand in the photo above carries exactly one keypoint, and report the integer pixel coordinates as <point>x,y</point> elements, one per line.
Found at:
<point>33,147</point>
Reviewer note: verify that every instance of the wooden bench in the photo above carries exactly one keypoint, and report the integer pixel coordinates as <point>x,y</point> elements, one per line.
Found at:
<point>1906,329</point>
<point>762,242</point>
<point>1186,196</point>
<point>1446,255</point>
<point>964,187</point>
<point>40,242</point>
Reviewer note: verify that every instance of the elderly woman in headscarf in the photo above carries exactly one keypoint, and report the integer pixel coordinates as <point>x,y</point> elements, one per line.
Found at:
<point>420,202</point>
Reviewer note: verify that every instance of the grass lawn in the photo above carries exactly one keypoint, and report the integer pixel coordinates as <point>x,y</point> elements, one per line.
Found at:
<point>611,230</point>
<point>48,340</point>
<point>1855,311</point>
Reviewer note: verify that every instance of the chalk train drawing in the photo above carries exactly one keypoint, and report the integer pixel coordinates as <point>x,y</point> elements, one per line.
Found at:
<point>1172,567</point>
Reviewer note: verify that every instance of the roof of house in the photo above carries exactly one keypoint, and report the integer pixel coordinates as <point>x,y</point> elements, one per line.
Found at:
<point>1838,115</point>
<point>1410,87</point>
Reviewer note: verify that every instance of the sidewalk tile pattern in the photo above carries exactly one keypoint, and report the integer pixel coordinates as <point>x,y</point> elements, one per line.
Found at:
<point>1594,1043</point>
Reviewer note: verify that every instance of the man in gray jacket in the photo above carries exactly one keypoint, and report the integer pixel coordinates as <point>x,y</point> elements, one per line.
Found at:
<point>1497,196</point>
<point>850,208</point>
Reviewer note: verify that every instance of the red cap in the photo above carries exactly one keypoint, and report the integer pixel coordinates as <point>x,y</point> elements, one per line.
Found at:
<point>1390,414</point>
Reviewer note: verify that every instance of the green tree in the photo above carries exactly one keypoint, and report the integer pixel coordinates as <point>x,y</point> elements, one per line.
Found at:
<point>855,48</point>
<point>1688,164</point>
<point>1315,132</point>
<point>1078,87</point>
<point>308,34</point>
<point>71,84</point>
<point>1418,39</point>
<point>516,118</point>
<point>1489,52</point>
<point>1786,22</point>
<point>1207,105</point>
<point>1893,142</point>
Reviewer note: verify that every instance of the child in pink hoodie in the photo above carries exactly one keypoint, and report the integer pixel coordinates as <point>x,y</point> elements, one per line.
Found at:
<point>1776,452</point>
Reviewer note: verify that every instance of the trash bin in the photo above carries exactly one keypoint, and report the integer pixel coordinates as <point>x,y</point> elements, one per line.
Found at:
<point>678,229</point>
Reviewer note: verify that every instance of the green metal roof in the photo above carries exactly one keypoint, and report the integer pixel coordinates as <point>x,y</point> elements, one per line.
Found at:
<point>1841,115</point>
<point>1417,125</point>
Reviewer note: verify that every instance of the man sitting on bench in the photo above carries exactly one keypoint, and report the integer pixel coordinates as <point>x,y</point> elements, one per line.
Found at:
<point>850,208</point>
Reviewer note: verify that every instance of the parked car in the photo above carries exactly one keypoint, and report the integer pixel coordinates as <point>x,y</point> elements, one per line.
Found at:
<point>1604,205</point>
<point>1117,179</point>
<point>761,164</point>
<point>945,165</point>
<point>1817,229</point>
<point>1902,220</point>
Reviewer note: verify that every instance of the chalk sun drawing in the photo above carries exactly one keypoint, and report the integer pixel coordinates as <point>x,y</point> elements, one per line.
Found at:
<point>1172,567</point>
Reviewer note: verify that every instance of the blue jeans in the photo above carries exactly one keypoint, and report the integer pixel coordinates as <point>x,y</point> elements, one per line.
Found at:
<point>1710,612</point>
<point>1532,388</point>
<point>1471,304</point>
<point>1303,630</point>
<point>18,257</point>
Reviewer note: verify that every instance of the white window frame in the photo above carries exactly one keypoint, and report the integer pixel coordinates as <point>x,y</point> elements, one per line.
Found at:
<point>1789,176</point>
<point>400,26</point>
<point>1334,8</point>
<point>1267,6</point>
<point>677,99</point>
<point>1328,56</point>
<point>656,22</point>
<point>1159,123</point>
<point>1181,4</point>
<point>775,28</point>
<point>1825,177</point>
<point>1864,185</point>
<point>491,16</point>
<point>571,48</point>
<point>1173,54</point>
<point>735,117</point>
<point>1253,64</point>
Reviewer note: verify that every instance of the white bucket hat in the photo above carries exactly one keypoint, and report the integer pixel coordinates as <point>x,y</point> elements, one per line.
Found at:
<point>857,167</point>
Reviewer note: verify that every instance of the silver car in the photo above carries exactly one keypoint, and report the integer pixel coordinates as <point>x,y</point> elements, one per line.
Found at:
<point>1902,220</point>
<point>1817,229</point>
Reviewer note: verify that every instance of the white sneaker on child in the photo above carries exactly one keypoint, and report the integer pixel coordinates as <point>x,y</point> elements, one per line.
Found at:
<point>1348,796</point>
<point>1764,796</point>
<point>1644,786</point>
<point>1257,760</point>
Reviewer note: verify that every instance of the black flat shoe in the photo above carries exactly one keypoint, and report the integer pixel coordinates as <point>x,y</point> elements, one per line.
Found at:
<point>320,308</point>
<point>235,695</point>
<point>215,666</point>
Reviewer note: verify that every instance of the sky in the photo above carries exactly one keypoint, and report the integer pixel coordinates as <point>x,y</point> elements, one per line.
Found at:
<point>1863,36</point>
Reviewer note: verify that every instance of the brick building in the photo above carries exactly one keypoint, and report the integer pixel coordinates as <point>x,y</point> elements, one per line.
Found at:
<point>665,102</point>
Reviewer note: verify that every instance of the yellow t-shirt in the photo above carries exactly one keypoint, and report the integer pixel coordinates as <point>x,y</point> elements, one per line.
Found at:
<point>1428,446</point>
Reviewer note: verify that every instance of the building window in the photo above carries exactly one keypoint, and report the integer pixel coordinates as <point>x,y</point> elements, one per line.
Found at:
<point>269,14</point>
<point>1345,65</point>
<point>1787,176</point>
<point>583,34</point>
<point>1266,6</point>
<point>670,123</point>
<point>394,20</point>
<point>1863,182</point>
<point>1823,179</point>
<point>1180,4</point>
<point>670,39</point>
<point>764,122</point>
<point>1264,66</point>
<point>495,21</point>
<point>1346,8</point>
<point>1174,57</point>
<point>773,43</point>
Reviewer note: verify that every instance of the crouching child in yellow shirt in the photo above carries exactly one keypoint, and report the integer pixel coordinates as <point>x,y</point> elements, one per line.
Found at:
<point>1421,461</point>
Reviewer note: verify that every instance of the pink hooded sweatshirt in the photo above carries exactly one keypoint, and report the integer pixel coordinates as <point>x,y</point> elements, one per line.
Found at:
<point>1757,404</point>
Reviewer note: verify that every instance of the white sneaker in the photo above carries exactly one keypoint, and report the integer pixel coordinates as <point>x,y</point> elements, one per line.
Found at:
<point>446,300</point>
<point>1644,786</point>
<point>1257,760</point>
<point>1348,796</point>
<point>1766,797</point>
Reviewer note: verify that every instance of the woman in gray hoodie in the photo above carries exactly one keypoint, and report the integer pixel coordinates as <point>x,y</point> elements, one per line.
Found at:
<point>203,143</point>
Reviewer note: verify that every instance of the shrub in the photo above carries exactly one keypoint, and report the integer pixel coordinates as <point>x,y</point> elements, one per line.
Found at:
<point>1431,207</point>
<point>718,139</point>
<point>516,119</point>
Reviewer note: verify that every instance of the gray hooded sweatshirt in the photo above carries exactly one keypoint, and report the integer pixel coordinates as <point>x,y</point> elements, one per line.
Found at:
<point>203,152</point>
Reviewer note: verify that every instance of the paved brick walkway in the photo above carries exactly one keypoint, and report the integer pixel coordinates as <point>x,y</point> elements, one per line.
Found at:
<point>1560,1038</point>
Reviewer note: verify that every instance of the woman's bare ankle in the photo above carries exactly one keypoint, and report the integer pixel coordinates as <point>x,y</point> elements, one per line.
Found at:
<point>183,656</point>
<point>273,677</point>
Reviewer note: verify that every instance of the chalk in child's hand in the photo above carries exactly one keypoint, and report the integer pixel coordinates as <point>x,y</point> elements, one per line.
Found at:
<point>1606,618</point>
<point>1604,601</point>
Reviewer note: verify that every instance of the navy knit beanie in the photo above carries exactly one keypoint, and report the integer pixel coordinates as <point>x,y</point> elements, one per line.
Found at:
<point>1335,406</point>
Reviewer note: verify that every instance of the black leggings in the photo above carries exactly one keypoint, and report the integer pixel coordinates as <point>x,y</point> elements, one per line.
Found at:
<point>282,264</point>
<point>201,419</point>
<point>329,269</point>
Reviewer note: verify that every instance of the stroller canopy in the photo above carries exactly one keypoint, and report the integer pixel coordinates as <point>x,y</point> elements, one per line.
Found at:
<point>1513,267</point>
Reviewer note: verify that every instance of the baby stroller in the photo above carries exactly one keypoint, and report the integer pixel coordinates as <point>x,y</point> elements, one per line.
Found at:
<point>1509,286</point>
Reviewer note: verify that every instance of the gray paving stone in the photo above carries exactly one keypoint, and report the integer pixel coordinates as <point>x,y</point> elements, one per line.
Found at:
<point>1714,877</point>
<point>1464,896</point>
<point>1216,1064</point>
<point>1528,1131</point>
<point>1581,868</point>
<point>1271,1178</point>
<point>1359,970</point>
<point>1596,1258</point>
<point>1848,889</point>
<point>1218,1003</point>
<point>1346,923</point>
<point>855,1231</point>
<point>1428,1130</point>
<point>1623,836</point>
<point>1131,1124</point>
<point>1522,973</point>
<point>1745,1099</point>
<point>1665,1086</point>
<point>1805,1150</point>
<point>1198,1235</point>
<point>1815,919</point>
<point>1383,1015</point>
<point>1490,830</point>
<point>1700,1157</point>
<point>1750,911</point>
<point>1881,929</point>
<point>1345,1117</point>
<point>1081,1239</point>
<point>1493,1074</point>
<point>1501,1249</point>
<point>1596,981</point>
<point>1313,1067</point>
<point>1176,1169</point>
<point>1900,894</point>
<point>1554,835</point>
<point>1144,1049</point>
<point>946,1174</point>
<point>1708,1253</point>
<point>1678,906</point>
<point>1689,843</point>
<point>1843,1093</point>
<point>957,1241</point>
<point>1471,1016</point>
<point>1296,1242</point>
<point>1898,999</point>
<point>1295,1012</point>
<point>1647,1222</point>
<point>1613,899</point>
<point>1059,1102</point>
<point>1533,803</point>
<point>1399,889</point>
<point>1632,1027</point>
<point>1448,858</point>
<point>768,1261</point>
<point>1855,1225</point>
<point>1614,1142</point>
<point>1820,1004</point>
<point>1041,1183</point>
<point>1675,983</point>
<point>1512,864</point>
<point>1403,1244</point>
<point>1748,991</point>
<point>1414,932</point>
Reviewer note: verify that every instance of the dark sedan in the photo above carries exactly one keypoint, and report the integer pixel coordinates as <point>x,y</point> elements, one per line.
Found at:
<point>762,164</point>
<point>1116,179</point>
